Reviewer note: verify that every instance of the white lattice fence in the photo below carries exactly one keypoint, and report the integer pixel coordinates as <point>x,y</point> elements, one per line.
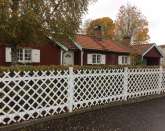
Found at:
<point>97,86</point>
<point>34,94</point>
<point>163,80</point>
<point>143,81</point>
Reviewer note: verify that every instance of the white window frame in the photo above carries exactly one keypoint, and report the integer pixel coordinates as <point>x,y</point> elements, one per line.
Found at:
<point>98,58</point>
<point>24,60</point>
<point>124,60</point>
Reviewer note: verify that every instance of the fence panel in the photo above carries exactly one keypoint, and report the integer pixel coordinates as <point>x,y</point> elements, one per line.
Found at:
<point>163,80</point>
<point>143,81</point>
<point>33,94</point>
<point>97,86</point>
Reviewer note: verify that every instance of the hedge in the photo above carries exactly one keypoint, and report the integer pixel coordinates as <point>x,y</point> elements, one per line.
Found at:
<point>60,67</point>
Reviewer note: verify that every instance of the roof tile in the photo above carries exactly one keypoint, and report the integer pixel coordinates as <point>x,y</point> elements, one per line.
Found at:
<point>88,42</point>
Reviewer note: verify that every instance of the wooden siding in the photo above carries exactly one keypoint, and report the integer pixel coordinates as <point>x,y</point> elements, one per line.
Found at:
<point>49,54</point>
<point>77,57</point>
<point>152,57</point>
<point>111,58</point>
<point>153,53</point>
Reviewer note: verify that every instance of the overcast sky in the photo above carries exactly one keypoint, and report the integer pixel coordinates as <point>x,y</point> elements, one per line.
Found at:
<point>154,10</point>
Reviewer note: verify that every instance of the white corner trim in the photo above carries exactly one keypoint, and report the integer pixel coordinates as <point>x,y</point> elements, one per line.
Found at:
<point>62,46</point>
<point>61,58</point>
<point>82,58</point>
<point>154,45</point>
<point>59,44</point>
<point>76,44</point>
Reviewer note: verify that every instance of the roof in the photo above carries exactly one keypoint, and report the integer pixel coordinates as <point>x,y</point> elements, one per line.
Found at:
<point>64,42</point>
<point>67,43</point>
<point>140,49</point>
<point>143,49</point>
<point>161,46</point>
<point>87,42</point>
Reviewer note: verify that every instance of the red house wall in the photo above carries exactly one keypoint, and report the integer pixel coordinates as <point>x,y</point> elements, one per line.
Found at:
<point>153,53</point>
<point>153,57</point>
<point>77,57</point>
<point>50,54</point>
<point>111,58</point>
<point>2,56</point>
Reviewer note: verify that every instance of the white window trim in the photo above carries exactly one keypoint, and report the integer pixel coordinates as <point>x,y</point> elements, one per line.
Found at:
<point>23,60</point>
<point>97,55</point>
<point>102,58</point>
<point>120,59</point>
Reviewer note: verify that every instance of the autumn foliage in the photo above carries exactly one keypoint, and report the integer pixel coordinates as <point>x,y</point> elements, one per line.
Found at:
<point>107,25</point>
<point>130,23</point>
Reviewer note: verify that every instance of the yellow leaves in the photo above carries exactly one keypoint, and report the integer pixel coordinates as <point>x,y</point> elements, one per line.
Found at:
<point>142,35</point>
<point>131,23</point>
<point>107,27</point>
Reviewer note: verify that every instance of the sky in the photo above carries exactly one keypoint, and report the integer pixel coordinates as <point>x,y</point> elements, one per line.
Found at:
<point>154,10</point>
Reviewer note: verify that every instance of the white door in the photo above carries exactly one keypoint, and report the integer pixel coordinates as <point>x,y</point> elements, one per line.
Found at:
<point>68,58</point>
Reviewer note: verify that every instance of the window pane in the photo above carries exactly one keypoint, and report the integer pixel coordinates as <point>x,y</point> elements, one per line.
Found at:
<point>28,54</point>
<point>126,60</point>
<point>98,59</point>
<point>20,54</point>
<point>123,60</point>
<point>94,59</point>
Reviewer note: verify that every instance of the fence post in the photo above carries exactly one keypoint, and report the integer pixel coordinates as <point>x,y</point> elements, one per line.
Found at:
<point>125,92</point>
<point>160,79</point>
<point>70,89</point>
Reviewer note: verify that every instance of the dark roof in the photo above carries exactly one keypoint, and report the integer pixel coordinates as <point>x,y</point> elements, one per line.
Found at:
<point>87,42</point>
<point>140,49</point>
<point>67,43</point>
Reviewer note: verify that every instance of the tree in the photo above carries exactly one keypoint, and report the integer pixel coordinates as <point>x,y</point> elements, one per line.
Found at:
<point>27,21</point>
<point>131,24</point>
<point>106,23</point>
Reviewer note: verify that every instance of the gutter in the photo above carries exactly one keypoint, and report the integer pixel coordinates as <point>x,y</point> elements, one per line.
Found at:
<point>76,44</point>
<point>59,44</point>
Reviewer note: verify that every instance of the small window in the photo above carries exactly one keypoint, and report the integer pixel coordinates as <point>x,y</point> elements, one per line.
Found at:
<point>99,59</point>
<point>96,59</point>
<point>24,55</point>
<point>28,54</point>
<point>124,60</point>
<point>20,55</point>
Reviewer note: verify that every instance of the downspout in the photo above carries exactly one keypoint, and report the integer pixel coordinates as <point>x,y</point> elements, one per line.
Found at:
<point>82,57</point>
<point>142,59</point>
<point>61,59</point>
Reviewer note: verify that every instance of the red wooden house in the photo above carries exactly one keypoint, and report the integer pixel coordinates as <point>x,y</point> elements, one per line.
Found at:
<point>81,51</point>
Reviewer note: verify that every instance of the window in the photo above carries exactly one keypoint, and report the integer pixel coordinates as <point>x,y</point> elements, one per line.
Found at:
<point>24,55</point>
<point>124,60</point>
<point>28,54</point>
<point>20,55</point>
<point>96,59</point>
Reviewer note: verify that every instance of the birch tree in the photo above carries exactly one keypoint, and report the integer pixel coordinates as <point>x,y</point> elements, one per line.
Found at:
<point>31,21</point>
<point>131,23</point>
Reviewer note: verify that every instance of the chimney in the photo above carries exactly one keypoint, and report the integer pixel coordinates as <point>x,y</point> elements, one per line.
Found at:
<point>98,32</point>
